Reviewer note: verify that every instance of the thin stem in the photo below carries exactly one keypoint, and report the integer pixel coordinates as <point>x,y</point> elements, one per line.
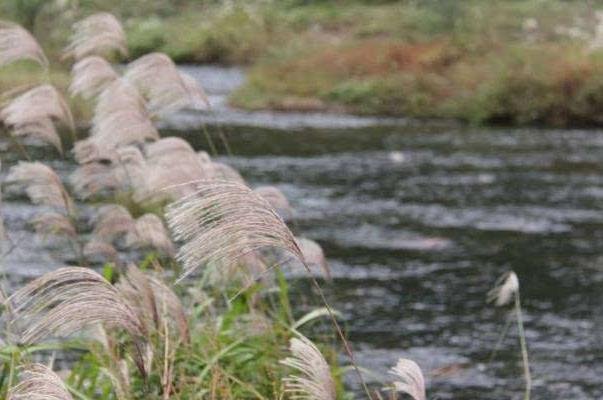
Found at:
<point>346,344</point>
<point>524,347</point>
<point>502,336</point>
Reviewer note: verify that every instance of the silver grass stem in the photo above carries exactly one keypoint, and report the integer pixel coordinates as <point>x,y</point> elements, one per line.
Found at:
<point>524,348</point>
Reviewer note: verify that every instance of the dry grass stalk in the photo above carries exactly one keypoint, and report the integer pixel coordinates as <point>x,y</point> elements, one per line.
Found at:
<point>42,185</point>
<point>90,76</point>
<point>409,379</point>
<point>16,43</point>
<point>165,88</point>
<point>99,34</point>
<point>65,301</point>
<point>312,380</point>
<point>221,222</point>
<point>38,382</point>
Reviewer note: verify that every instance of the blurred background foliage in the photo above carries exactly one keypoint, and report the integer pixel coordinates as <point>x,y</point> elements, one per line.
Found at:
<point>483,61</point>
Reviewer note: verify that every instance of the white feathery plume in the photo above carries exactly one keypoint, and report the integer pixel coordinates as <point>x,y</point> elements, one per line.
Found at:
<point>120,118</point>
<point>42,185</point>
<point>314,255</point>
<point>99,34</point>
<point>277,200</point>
<point>65,301</point>
<point>90,76</point>
<point>171,307</point>
<point>135,287</point>
<point>149,231</point>
<point>197,99</point>
<point>117,96</point>
<point>92,178</point>
<point>154,301</point>
<point>173,168</point>
<point>221,171</point>
<point>506,287</point>
<point>221,222</point>
<point>41,102</point>
<point>112,222</point>
<point>409,379</point>
<point>168,145</point>
<point>38,382</point>
<point>312,380</point>
<point>165,88</point>
<point>96,249</point>
<point>53,223</point>
<point>16,43</point>
<point>42,129</point>
<point>32,113</point>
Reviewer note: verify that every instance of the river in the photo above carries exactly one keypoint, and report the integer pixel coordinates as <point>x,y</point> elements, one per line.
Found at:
<point>418,220</point>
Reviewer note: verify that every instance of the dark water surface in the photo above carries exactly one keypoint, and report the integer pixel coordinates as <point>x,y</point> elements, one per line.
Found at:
<point>417,223</point>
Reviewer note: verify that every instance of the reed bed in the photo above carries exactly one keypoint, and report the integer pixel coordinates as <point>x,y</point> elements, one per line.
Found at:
<point>143,309</point>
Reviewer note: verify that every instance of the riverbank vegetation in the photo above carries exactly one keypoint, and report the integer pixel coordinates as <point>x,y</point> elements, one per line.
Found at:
<point>178,292</point>
<point>505,61</point>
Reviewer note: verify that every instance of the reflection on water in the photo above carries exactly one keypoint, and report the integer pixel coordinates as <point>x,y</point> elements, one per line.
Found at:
<point>418,222</point>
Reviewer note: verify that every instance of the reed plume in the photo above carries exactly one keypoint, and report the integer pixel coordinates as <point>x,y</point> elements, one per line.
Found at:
<point>409,379</point>
<point>33,112</point>
<point>504,290</point>
<point>41,102</point>
<point>42,185</point>
<point>43,130</point>
<point>53,223</point>
<point>65,301</point>
<point>96,249</point>
<point>112,222</point>
<point>312,379</point>
<point>165,88</point>
<point>223,221</point>
<point>149,231</point>
<point>314,255</point>
<point>16,43</point>
<point>100,34</point>
<point>90,76</point>
<point>277,200</point>
<point>93,178</point>
<point>38,382</point>
<point>154,301</point>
